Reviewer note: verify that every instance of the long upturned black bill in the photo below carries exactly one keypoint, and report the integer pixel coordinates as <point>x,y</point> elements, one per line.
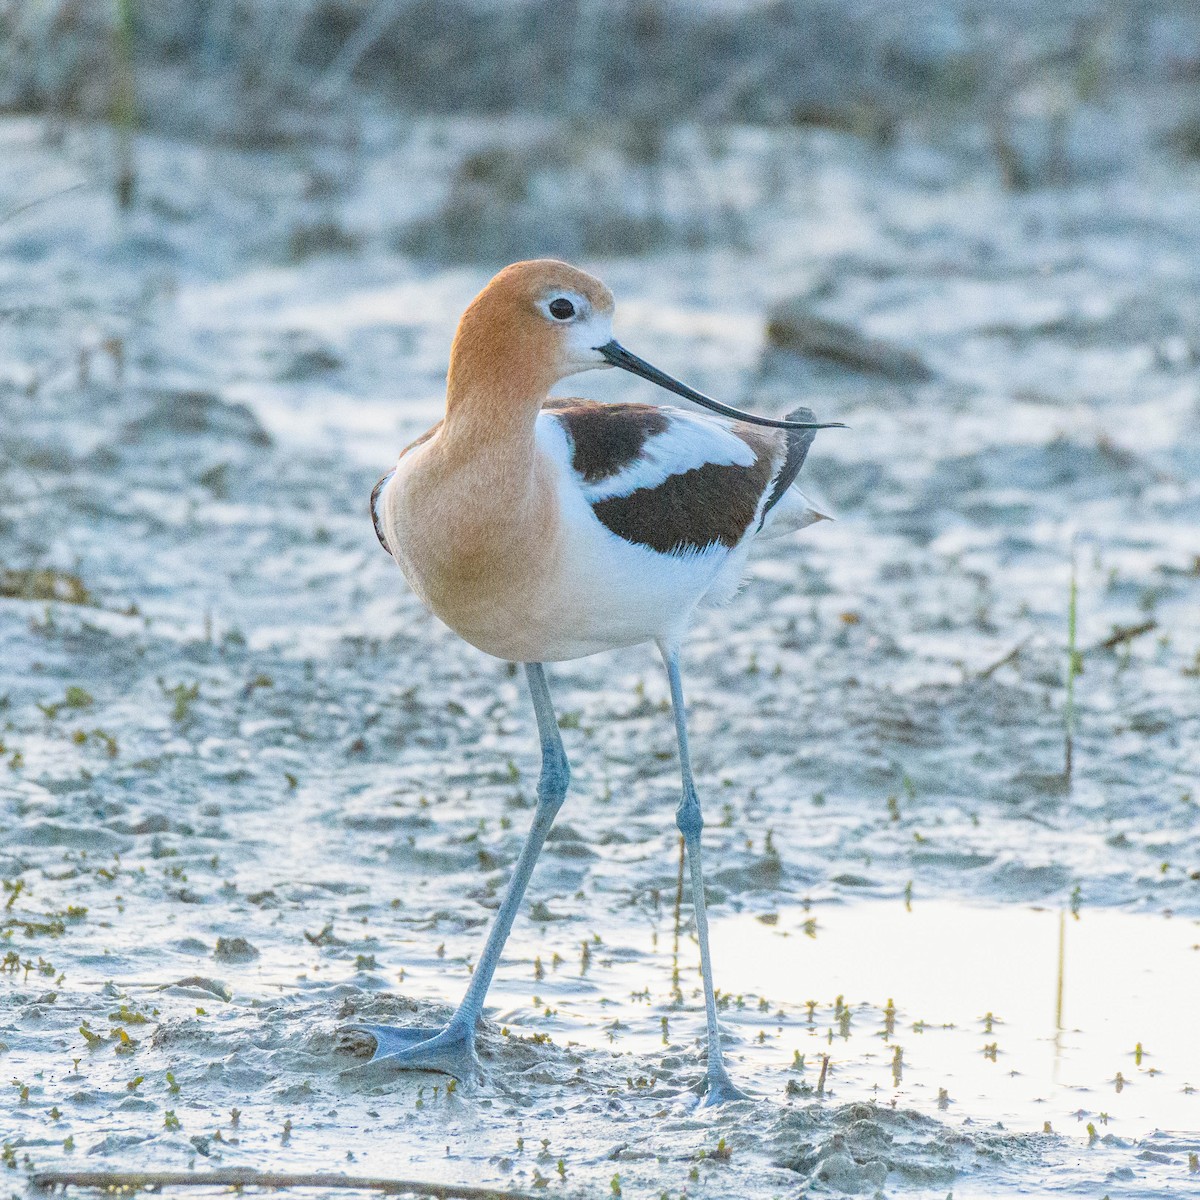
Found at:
<point>618,356</point>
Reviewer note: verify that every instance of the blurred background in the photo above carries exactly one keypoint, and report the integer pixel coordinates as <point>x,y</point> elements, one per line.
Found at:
<point>618,127</point>
<point>235,237</point>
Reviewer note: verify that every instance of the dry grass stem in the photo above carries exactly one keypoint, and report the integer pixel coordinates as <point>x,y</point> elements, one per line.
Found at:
<point>238,1177</point>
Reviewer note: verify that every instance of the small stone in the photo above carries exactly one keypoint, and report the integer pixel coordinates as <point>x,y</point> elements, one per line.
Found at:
<point>235,949</point>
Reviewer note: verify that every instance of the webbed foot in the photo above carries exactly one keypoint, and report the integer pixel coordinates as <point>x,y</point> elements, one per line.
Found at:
<point>450,1051</point>
<point>720,1089</point>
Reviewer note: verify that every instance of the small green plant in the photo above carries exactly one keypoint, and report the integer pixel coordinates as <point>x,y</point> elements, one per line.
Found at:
<point>1074,668</point>
<point>182,697</point>
<point>14,889</point>
<point>75,697</point>
<point>123,101</point>
<point>824,1074</point>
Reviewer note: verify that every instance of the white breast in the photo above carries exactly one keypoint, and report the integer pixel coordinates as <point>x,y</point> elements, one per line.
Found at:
<point>622,593</point>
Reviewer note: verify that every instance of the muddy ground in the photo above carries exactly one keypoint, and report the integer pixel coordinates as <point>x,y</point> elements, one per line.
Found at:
<point>251,790</point>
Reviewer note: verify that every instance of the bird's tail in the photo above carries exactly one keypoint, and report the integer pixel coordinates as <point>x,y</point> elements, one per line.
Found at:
<point>798,443</point>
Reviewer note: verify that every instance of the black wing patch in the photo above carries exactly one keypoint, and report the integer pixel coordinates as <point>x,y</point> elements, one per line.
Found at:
<point>690,511</point>
<point>375,493</point>
<point>798,443</point>
<point>606,438</point>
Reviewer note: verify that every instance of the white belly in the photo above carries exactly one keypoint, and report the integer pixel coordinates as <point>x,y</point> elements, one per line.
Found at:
<point>610,593</point>
<point>588,591</point>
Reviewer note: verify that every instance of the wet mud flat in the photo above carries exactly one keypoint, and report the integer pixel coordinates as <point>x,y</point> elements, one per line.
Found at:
<point>251,791</point>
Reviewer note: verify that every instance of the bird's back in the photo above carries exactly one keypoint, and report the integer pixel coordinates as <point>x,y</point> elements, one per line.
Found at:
<point>678,482</point>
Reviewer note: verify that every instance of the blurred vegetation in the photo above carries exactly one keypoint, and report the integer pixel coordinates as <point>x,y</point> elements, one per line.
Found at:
<point>854,65</point>
<point>625,99</point>
<point>579,188</point>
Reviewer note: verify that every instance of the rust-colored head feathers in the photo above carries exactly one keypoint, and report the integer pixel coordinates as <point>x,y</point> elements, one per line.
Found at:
<point>535,323</point>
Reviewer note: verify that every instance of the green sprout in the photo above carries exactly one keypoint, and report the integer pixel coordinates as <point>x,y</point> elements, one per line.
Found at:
<point>1074,668</point>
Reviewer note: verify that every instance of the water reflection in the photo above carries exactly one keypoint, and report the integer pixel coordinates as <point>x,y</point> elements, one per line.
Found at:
<point>1025,1016</point>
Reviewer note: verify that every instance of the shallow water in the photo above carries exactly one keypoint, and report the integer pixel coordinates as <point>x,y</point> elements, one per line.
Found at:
<point>938,1006</point>
<point>977,994</point>
<point>252,730</point>
<point>973,994</point>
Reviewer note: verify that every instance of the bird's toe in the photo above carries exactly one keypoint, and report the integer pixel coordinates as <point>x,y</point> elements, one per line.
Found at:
<point>449,1051</point>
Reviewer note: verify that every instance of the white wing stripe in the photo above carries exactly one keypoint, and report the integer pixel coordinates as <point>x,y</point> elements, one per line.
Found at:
<point>687,443</point>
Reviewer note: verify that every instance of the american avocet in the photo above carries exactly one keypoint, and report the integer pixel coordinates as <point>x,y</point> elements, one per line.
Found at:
<point>541,530</point>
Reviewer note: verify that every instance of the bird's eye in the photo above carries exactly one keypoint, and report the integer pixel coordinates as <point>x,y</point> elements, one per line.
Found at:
<point>561,309</point>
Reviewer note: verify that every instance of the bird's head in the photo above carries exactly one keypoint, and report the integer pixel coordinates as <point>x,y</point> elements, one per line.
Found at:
<point>534,324</point>
<point>537,322</point>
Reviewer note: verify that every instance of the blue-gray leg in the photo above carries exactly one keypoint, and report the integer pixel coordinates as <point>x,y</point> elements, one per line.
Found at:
<point>452,1050</point>
<point>720,1087</point>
